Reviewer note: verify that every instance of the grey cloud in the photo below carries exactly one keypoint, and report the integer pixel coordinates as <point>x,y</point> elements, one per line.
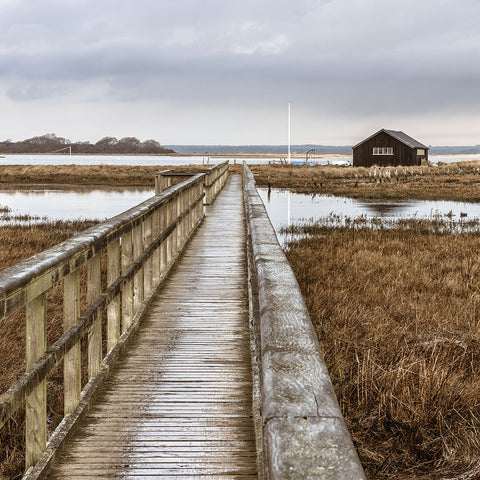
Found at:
<point>335,56</point>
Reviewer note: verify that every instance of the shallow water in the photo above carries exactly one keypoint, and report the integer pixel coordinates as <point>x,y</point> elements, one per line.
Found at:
<point>176,160</point>
<point>74,203</point>
<point>285,208</point>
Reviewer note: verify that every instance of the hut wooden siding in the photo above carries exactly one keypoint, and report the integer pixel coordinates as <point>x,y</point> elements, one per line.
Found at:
<point>405,150</point>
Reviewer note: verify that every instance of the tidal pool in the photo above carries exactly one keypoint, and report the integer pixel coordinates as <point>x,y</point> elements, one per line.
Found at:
<point>74,203</point>
<point>285,208</point>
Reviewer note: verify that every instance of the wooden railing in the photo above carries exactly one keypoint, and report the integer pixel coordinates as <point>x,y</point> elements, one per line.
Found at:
<point>215,180</point>
<point>216,177</point>
<point>300,429</point>
<point>125,259</point>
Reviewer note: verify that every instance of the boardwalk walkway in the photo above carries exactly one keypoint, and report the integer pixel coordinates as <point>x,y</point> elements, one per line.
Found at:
<point>178,404</point>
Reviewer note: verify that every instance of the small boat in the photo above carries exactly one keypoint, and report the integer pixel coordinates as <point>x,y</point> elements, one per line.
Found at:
<point>302,162</point>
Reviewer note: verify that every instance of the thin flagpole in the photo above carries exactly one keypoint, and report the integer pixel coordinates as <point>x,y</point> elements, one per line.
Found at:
<point>289,159</point>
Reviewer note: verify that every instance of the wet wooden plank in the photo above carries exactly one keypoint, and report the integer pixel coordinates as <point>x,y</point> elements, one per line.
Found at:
<point>178,404</point>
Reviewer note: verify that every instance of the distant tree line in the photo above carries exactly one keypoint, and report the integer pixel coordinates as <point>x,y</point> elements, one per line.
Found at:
<point>50,143</point>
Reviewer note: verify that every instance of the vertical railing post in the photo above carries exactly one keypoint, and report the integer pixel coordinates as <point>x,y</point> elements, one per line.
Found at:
<point>156,257</point>
<point>113,308</point>
<point>178,233</point>
<point>162,181</point>
<point>72,363</point>
<point>94,290</point>
<point>200,204</point>
<point>163,247</point>
<point>127,288</point>
<point>36,401</point>
<point>148,269</point>
<point>171,237</point>
<point>138,292</point>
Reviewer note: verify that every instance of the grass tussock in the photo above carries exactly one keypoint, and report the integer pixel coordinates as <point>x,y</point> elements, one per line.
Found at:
<point>397,312</point>
<point>18,242</point>
<point>458,181</point>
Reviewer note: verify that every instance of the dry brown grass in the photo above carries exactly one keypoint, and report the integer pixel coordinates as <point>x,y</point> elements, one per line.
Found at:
<point>18,243</point>
<point>397,312</point>
<point>459,181</point>
<point>12,175</point>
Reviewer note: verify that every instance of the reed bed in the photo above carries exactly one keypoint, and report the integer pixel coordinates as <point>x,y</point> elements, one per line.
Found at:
<point>458,181</point>
<point>397,312</point>
<point>18,242</point>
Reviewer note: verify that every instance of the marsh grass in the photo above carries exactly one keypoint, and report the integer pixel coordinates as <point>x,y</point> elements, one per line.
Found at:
<point>115,175</point>
<point>397,313</point>
<point>18,242</point>
<point>458,181</point>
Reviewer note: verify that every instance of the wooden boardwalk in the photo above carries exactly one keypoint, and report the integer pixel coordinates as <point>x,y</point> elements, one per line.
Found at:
<point>178,404</point>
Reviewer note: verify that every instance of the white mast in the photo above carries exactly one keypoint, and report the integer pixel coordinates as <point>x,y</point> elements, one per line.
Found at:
<point>289,160</point>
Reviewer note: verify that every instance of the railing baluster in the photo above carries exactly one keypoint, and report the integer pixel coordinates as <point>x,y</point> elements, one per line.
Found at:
<point>169,209</point>
<point>72,364</point>
<point>113,309</point>
<point>148,269</point>
<point>156,257</point>
<point>94,290</point>
<point>133,269</point>
<point>127,288</point>
<point>163,246</point>
<point>138,277</point>
<point>36,402</point>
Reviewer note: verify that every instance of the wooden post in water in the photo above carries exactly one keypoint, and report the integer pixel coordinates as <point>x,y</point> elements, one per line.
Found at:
<point>127,288</point>
<point>36,401</point>
<point>113,309</point>
<point>72,363</point>
<point>94,290</point>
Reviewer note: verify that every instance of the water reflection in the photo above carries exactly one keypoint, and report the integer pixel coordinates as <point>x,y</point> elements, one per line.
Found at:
<point>286,207</point>
<point>73,202</point>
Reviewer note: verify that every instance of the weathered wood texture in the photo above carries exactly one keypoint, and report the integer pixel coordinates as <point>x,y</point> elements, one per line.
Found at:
<point>178,404</point>
<point>304,435</point>
<point>131,248</point>
<point>402,153</point>
<point>215,178</point>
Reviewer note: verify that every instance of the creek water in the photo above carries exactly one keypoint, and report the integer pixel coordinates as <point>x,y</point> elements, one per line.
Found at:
<point>285,208</point>
<point>176,160</point>
<point>74,203</point>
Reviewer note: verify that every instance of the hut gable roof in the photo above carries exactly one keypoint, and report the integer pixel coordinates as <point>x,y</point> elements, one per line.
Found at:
<point>400,136</point>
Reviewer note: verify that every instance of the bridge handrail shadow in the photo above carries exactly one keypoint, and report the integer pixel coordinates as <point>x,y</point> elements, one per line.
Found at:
<point>123,261</point>
<point>299,423</point>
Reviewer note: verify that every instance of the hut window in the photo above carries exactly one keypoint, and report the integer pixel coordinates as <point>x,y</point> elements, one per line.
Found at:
<point>420,151</point>
<point>383,150</point>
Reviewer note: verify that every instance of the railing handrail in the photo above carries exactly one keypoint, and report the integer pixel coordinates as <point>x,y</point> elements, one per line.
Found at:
<point>141,246</point>
<point>12,399</point>
<point>301,429</point>
<point>81,246</point>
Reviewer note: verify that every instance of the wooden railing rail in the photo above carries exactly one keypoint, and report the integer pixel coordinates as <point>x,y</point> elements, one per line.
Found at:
<point>300,427</point>
<point>138,248</point>
<point>164,179</point>
<point>215,178</point>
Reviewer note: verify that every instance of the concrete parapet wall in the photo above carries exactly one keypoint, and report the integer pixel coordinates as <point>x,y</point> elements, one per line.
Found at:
<point>302,429</point>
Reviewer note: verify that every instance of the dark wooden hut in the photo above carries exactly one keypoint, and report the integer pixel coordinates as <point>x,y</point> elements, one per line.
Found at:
<point>389,147</point>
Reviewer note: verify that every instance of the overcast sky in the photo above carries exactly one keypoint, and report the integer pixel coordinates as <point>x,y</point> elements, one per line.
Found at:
<point>224,71</point>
